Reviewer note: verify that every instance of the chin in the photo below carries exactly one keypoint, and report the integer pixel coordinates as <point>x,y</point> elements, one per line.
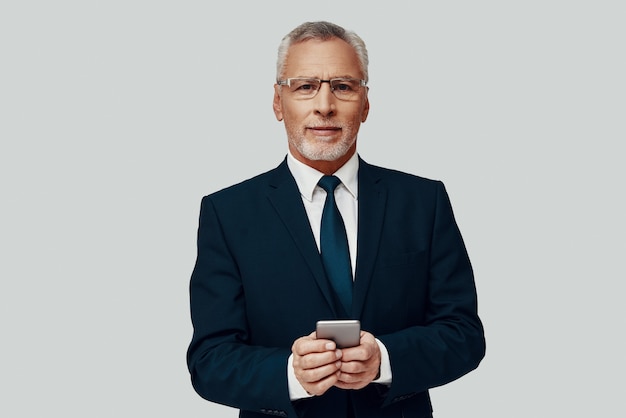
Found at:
<point>326,154</point>
<point>324,151</point>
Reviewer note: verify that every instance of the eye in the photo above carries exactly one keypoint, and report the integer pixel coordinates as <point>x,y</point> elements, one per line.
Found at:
<point>344,86</point>
<point>304,86</point>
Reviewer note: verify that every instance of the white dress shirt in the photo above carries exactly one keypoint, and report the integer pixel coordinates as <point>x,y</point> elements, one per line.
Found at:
<point>313,198</point>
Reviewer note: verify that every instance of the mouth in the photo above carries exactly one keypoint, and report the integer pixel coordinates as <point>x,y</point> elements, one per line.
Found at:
<point>324,130</point>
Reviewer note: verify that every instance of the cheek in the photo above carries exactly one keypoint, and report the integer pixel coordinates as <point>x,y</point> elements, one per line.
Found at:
<point>355,123</point>
<point>292,115</point>
<point>293,129</point>
<point>295,116</point>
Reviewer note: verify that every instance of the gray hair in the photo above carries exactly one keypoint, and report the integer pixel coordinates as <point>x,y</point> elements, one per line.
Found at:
<point>323,31</point>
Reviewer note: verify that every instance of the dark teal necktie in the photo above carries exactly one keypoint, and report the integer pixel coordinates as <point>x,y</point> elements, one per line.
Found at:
<point>334,245</point>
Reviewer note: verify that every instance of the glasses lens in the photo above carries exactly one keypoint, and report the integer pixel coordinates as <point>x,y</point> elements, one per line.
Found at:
<point>304,87</point>
<point>345,88</point>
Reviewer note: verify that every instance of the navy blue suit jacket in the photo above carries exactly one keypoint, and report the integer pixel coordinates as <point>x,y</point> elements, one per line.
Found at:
<point>258,284</point>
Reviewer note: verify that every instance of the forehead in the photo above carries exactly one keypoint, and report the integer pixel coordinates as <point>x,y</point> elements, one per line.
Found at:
<point>322,59</point>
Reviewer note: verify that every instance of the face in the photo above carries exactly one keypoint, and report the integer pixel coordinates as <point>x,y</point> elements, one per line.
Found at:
<point>321,131</point>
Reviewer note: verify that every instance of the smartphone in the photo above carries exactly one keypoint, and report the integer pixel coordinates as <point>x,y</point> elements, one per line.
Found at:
<point>345,332</point>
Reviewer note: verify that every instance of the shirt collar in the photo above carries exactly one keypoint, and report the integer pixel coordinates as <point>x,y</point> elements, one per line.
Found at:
<point>307,177</point>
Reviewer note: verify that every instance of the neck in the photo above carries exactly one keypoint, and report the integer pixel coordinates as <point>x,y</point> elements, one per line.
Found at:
<point>326,167</point>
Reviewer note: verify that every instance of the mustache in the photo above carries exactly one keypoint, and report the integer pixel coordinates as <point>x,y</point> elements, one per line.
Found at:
<point>324,124</point>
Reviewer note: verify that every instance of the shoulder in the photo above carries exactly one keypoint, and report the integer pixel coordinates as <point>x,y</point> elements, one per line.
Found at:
<point>396,179</point>
<point>404,193</point>
<point>253,186</point>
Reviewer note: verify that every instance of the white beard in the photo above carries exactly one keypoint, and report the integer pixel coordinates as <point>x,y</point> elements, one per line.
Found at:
<point>316,151</point>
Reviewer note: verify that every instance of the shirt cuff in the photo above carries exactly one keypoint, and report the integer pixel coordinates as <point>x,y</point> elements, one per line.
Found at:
<point>296,391</point>
<point>385,365</point>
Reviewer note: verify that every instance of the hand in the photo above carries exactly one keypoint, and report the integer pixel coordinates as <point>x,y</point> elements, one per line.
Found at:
<point>316,363</point>
<point>360,365</point>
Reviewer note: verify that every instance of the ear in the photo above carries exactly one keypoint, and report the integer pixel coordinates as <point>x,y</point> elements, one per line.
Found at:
<point>277,104</point>
<point>366,109</point>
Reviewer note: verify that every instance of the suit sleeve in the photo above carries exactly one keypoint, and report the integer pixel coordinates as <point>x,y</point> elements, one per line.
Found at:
<point>224,367</point>
<point>450,343</point>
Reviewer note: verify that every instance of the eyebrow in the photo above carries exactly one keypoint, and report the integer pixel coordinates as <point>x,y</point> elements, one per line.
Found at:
<point>330,78</point>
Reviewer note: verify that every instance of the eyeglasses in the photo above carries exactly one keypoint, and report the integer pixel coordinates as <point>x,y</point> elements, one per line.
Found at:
<point>306,88</point>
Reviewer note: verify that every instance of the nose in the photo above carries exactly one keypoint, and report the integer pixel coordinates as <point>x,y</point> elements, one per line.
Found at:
<point>325,100</point>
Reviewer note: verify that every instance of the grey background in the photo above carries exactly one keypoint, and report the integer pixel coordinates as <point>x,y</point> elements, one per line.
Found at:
<point>117,117</point>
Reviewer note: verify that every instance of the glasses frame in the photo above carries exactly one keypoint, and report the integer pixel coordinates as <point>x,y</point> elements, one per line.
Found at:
<point>287,82</point>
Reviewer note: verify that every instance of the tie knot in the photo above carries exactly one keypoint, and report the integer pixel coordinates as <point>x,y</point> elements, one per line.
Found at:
<point>329,183</point>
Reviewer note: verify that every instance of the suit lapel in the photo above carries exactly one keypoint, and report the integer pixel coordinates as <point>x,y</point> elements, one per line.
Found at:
<point>285,197</point>
<point>372,198</point>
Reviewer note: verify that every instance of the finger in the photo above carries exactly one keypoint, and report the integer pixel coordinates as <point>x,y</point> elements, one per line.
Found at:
<point>307,345</point>
<point>309,376</point>
<point>360,379</point>
<point>321,386</point>
<point>351,381</point>
<point>353,367</point>
<point>369,368</point>
<point>314,360</point>
<point>366,350</point>
<point>362,352</point>
<point>357,374</point>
